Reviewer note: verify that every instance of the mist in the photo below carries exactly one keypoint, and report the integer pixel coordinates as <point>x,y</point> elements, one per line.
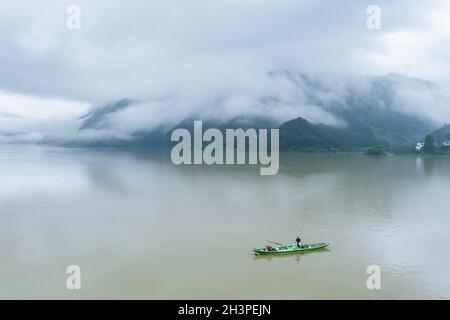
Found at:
<point>214,60</point>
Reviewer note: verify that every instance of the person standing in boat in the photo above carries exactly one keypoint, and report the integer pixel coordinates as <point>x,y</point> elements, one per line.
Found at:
<point>298,240</point>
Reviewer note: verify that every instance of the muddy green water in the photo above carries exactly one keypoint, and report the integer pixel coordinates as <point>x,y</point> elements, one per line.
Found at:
<point>141,227</point>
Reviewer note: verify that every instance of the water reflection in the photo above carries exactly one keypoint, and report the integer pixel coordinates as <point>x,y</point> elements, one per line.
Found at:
<point>171,231</point>
<point>293,256</point>
<point>428,165</point>
<point>419,162</point>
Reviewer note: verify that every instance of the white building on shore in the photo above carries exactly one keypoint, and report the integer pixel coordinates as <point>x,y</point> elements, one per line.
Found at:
<point>419,146</point>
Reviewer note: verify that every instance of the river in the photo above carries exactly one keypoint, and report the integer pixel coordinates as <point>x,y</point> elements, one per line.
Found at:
<point>140,227</point>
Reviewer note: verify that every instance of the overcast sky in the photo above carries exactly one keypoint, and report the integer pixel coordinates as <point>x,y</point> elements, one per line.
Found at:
<point>157,49</point>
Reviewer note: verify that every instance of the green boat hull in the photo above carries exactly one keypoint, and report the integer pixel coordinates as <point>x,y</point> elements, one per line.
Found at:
<point>291,248</point>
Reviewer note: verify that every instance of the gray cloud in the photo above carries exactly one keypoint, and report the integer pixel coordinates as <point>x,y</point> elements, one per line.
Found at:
<point>200,52</point>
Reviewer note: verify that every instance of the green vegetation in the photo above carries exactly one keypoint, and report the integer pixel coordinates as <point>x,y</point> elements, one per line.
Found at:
<point>301,135</point>
<point>375,151</point>
<point>429,144</point>
<point>442,135</point>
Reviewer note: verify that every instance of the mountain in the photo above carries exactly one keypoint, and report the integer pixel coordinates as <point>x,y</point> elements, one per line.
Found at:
<point>98,118</point>
<point>90,132</point>
<point>301,135</point>
<point>159,137</point>
<point>442,135</point>
<point>368,113</point>
<point>243,122</point>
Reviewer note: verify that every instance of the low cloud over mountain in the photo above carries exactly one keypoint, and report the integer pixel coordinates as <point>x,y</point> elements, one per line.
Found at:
<point>393,110</point>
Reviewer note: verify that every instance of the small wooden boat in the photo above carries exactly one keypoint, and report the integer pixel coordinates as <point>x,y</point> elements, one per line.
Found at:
<point>290,248</point>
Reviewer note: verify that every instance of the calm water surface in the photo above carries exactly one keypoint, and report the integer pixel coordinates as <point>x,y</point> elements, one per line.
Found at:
<point>141,227</point>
